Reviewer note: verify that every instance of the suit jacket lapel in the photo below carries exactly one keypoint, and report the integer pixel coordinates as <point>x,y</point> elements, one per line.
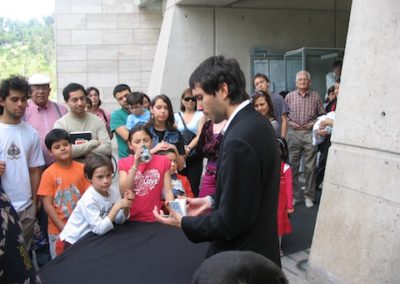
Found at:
<point>240,115</point>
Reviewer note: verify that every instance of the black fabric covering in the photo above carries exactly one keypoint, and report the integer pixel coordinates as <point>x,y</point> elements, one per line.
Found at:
<point>133,253</point>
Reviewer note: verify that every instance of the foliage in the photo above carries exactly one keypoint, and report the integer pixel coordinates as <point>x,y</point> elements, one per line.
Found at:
<point>27,48</point>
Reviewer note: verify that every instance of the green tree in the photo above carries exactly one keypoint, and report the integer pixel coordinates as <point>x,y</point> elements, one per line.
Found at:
<point>27,48</point>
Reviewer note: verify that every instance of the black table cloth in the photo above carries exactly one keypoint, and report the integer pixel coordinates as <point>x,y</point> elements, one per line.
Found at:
<point>132,253</point>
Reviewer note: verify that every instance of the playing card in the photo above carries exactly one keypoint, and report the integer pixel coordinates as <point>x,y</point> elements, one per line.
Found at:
<point>179,205</point>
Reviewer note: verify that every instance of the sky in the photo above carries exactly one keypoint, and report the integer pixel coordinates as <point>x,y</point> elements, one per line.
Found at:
<point>26,9</point>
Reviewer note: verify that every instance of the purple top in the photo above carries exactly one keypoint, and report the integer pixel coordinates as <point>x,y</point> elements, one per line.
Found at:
<point>208,145</point>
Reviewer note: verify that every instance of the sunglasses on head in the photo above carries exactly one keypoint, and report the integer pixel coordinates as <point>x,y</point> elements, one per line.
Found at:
<point>193,99</point>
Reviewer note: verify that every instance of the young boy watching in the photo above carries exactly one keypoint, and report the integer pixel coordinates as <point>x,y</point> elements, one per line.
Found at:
<point>62,184</point>
<point>139,115</point>
<point>99,207</point>
<point>179,184</point>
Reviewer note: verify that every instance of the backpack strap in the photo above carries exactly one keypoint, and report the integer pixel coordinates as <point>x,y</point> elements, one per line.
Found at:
<point>183,121</point>
<point>57,109</point>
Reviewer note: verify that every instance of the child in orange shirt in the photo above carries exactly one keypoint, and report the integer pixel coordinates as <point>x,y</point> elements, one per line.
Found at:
<point>179,184</point>
<point>62,184</point>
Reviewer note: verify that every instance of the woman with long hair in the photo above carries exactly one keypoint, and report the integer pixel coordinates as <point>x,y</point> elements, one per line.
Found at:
<point>263,104</point>
<point>162,127</point>
<point>94,95</point>
<point>191,121</point>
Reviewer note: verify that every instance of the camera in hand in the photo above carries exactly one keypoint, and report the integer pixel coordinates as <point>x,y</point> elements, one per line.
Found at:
<point>145,154</point>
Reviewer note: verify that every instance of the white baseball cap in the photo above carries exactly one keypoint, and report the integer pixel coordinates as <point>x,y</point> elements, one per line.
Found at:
<point>39,79</point>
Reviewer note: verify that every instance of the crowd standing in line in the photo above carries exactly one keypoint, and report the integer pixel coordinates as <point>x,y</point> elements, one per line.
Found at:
<point>216,122</point>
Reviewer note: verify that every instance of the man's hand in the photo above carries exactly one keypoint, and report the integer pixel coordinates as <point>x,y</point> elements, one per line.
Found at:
<point>198,206</point>
<point>325,123</point>
<point>174,218</point>
<point>322,133</point>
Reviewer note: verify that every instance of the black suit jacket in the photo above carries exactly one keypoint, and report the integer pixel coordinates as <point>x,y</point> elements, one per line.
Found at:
<point>247,191</point>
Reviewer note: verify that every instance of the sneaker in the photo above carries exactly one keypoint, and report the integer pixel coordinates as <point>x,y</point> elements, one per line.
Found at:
<point>309,203</point>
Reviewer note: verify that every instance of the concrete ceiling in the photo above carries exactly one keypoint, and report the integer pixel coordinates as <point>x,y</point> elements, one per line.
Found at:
<point>272,4</point>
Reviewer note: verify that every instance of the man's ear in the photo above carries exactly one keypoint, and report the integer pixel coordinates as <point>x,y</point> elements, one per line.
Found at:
<point>223,90</point>
<point>50,153</point>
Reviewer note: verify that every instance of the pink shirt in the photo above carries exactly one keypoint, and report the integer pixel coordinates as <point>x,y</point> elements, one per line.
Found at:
<point>147,185</point>
<point>104,116</point>
<point>42,119</point>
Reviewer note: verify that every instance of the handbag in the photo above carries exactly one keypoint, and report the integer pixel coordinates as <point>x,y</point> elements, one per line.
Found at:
<point>187,135</point>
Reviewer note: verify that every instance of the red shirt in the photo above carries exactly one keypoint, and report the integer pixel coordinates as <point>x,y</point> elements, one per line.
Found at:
<point>147,185</point>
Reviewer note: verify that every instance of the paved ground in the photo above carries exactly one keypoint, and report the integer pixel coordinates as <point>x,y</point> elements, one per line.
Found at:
<point>294,266</point>
<point>297,245</point>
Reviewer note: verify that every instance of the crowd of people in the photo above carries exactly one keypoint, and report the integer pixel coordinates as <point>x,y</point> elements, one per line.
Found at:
<point>56,173</point>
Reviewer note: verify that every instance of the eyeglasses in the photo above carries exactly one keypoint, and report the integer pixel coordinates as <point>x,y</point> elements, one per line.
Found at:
<point>36,88</point>
<point>193,99</point>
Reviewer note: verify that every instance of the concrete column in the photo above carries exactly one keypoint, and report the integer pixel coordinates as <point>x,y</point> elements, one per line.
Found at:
<point>356,238</point>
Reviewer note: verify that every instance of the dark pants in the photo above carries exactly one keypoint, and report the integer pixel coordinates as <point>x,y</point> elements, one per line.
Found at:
<point>193,170</point>
<point>320,170</point>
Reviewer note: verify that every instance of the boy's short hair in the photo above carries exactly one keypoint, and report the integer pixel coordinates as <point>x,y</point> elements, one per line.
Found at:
<point>15,83</point>
<point>94,162</point>
<point>234,267</point>
<point>261,75</point>
<point>135,98</point>
<point>121,87</point>
<point>56,135</point>
<point>72,87</point>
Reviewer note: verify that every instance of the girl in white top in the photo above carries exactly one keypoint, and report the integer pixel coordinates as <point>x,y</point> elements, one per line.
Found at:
<point>100,205</point>
<point>193,118</point>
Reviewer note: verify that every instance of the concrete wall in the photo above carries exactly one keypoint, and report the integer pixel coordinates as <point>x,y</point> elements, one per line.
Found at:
<point>105,42</point>
<point>191,33</point>
<point>356,239</point>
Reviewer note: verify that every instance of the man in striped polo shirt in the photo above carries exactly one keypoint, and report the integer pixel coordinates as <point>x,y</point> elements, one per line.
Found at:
<point>305,106</point>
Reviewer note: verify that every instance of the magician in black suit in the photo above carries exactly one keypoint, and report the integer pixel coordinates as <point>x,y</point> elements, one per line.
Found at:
<point>242,214</point>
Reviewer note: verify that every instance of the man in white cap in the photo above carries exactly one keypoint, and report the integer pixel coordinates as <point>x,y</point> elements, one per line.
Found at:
<point>41,113</point>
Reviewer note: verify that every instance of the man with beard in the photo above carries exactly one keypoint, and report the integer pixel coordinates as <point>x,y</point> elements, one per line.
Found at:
<point>244,208</point>
<point>20,154</point>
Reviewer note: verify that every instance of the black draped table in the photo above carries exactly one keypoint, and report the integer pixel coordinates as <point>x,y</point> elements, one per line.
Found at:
<point>132,253</point>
